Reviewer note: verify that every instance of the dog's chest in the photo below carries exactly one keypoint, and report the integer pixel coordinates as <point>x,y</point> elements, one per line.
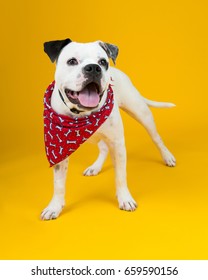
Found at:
<point>108,129</point>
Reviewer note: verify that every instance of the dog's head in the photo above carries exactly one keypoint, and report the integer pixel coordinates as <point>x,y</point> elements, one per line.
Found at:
<point>82,74</point>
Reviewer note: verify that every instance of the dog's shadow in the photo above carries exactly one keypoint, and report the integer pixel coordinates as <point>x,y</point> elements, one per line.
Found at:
<point>106,197</point>
<point>100,196</point>
<point>89,199</point>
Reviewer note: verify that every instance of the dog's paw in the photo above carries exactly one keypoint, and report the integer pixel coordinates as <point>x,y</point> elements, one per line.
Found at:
<point>128,206</point>
<point>92,170</point>
<point>52,211</point>
<point>126,201</point>
<point>168,158</point>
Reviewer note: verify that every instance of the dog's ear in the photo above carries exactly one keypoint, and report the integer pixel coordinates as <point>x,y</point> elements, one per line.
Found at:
<point>111,50</point>
<point>53,48</point>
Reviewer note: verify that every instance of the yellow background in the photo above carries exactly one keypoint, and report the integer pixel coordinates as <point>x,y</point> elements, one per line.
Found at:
<point>163,48</point>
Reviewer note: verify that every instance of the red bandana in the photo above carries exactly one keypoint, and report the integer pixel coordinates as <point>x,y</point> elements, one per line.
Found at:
<point>63,134</point>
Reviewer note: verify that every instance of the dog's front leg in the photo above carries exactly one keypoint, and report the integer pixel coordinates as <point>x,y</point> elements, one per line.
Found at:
<point>118,154</point>
<point>57,203</point>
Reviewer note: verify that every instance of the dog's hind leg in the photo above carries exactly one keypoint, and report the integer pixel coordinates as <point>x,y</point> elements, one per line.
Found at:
<point>96,167</point>
<point>130,100</point>
<point>141,112</point>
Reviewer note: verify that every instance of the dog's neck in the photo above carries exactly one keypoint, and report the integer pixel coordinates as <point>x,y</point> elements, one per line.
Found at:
<point>60,107</point>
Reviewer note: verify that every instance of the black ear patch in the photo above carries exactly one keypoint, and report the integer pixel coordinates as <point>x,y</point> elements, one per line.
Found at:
<point>111,50</point>
<point>53,48</point>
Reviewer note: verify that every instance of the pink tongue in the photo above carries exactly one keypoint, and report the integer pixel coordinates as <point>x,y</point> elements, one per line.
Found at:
<point>89,97</point>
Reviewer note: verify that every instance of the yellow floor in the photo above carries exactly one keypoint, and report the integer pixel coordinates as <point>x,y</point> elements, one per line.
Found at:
<point>163,49</point>
<point>171,221</point>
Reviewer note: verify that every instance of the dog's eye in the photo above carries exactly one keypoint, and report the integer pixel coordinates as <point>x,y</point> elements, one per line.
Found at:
<point>103,62</point>
<point>72,61</point>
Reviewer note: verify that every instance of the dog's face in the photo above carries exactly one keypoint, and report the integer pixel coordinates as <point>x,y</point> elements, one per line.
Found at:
<point>82,74</point>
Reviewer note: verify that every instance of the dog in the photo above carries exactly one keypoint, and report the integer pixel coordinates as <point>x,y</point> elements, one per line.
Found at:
<point>82,79</point>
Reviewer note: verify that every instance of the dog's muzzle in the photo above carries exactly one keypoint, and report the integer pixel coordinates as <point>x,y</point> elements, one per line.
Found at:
<point>91,93</point>
<point>88,97</point>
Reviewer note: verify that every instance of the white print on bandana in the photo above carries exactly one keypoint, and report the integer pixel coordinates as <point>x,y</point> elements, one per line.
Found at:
<point>63,134</point>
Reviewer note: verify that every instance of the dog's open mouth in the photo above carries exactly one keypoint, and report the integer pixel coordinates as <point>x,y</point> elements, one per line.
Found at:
<point>88,97</point>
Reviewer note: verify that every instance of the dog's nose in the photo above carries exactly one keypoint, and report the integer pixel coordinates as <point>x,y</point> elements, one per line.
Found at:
<point>92,70</point>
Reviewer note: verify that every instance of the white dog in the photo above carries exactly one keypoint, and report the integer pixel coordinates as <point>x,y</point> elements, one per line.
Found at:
<point>83,79</point>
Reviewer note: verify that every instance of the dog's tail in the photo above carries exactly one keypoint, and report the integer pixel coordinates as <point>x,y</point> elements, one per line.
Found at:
<point>156,104</point>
